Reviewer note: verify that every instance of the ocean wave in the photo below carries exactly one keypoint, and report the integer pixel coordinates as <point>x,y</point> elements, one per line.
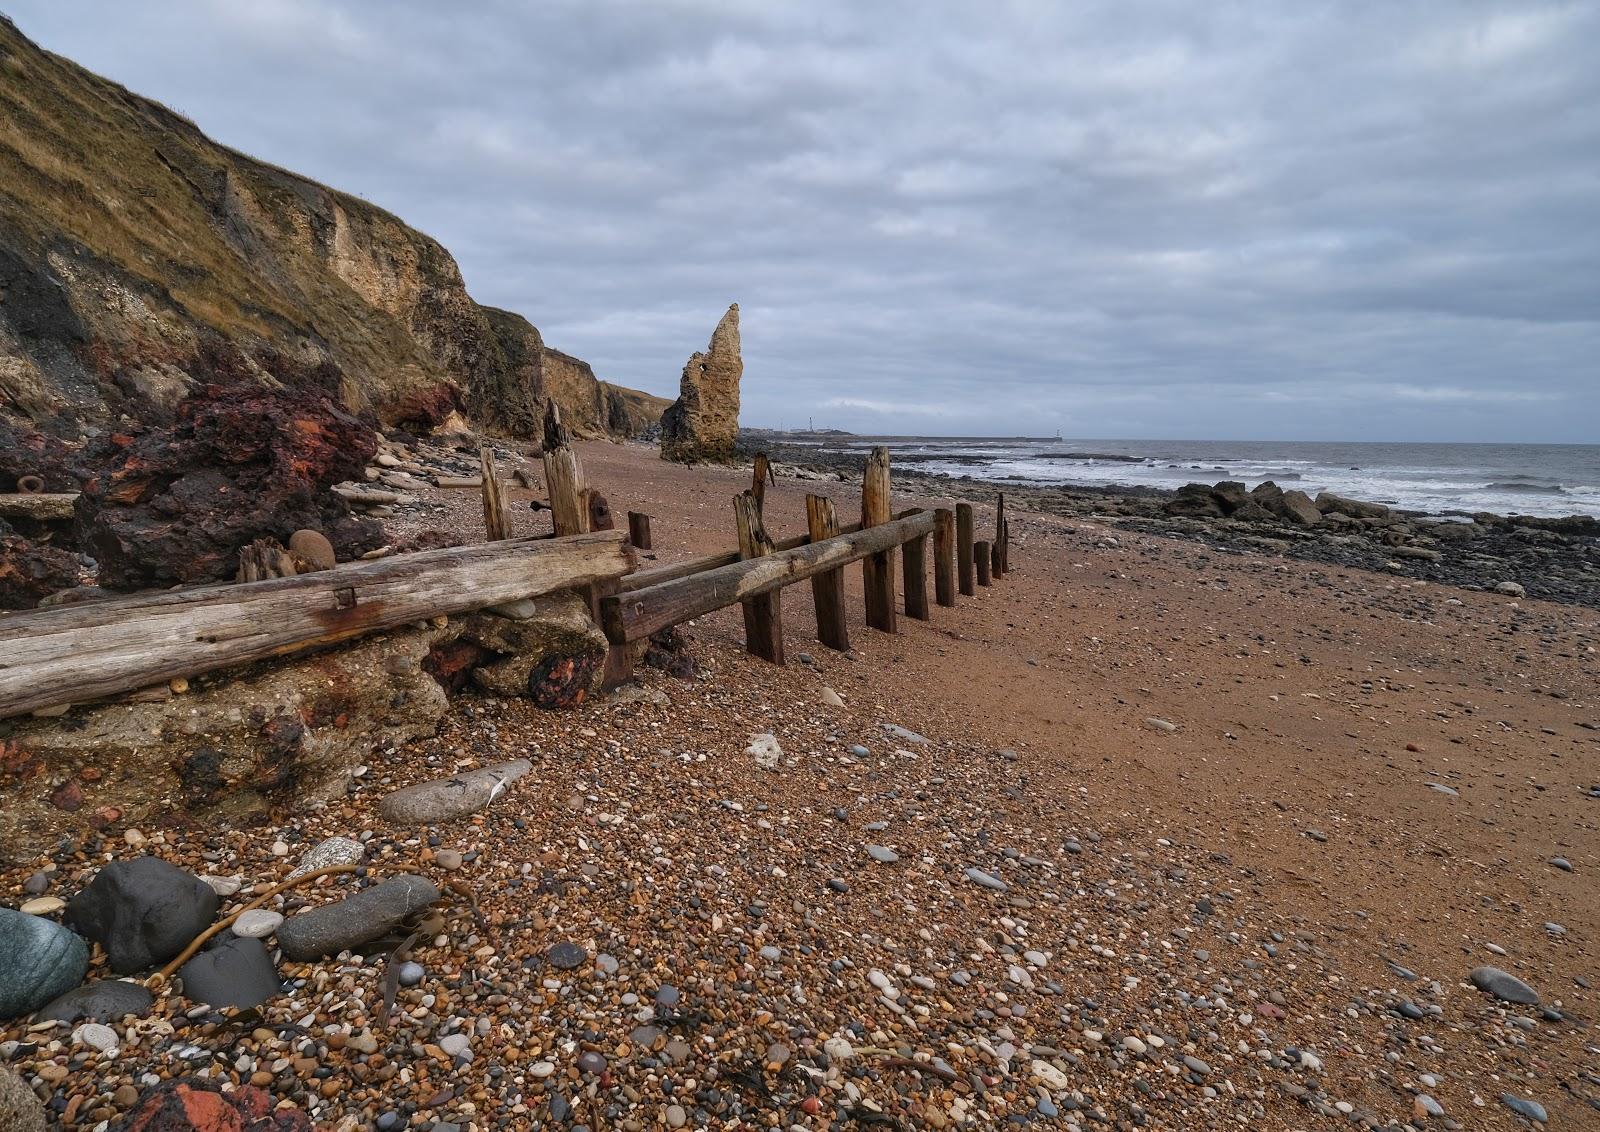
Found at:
<point>1524,486</point>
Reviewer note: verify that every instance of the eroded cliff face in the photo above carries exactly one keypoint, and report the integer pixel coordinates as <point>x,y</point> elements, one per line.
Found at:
<point>703,423</point>
<point>139,260</point>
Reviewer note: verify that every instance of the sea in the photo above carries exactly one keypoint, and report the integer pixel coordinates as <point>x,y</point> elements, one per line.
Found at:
<point>1548,480</point>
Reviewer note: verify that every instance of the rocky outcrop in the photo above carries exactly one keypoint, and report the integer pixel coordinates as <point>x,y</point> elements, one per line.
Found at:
<point>140,260</point>
<point>177,504</point>
<point>31,571</point>
<point>703,423</point>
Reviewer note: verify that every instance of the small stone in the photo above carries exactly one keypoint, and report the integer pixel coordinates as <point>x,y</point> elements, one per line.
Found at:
<point>831,698</point>
<point>104,1000</point>
<point>1559,862</point>
<point>591,1062</point>
<point>369,914</point>
<point>223,886</point>
<point>879,853</point>
<point>36,884</point>
<point>1503,985</point>
<point>445,799</point>
<point>978,876</point>
<point>1532,1110</point>
<point>328,853</point>
<point>541,1069</point>
<point>1160,724</point>
<point>1425,1106</point>
<point>566,955</point>
<point>42,905</point>
<point>410,974</point>
<point>676,1116</point>
<point>1048,1075</point>
<point>448,859</point>
<point>96,1036</point>
<point>1510,589</point>
<point>257,923</point>
<point>455,1044</point>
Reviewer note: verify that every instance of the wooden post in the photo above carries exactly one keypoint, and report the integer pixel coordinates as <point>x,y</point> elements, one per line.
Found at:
<point>639,530</point>
<point>944,556</point>
<point>877,573</point>
<point>914,569</point>
<point>1000,534</point>
<point>496,522</point>
<point>569,513</point>
<point>994,561</point>
<point>761,474</point>
<point>981,557</point>
<point>964,548</point>
<point>763,615</point>
<point>827,589</point>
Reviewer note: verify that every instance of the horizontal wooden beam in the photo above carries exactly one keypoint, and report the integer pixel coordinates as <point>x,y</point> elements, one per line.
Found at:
<point>676,570</point>
<point>41,506</point>
<point>635,614</point>
<point>75,653</point>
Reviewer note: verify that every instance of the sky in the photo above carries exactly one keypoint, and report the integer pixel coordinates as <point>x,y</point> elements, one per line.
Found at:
<point>1323,220</point>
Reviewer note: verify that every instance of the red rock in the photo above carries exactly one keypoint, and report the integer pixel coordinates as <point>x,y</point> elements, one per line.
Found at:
<point>32,570</point>
<point>176,504</point>
<point>192,1105</point>
<point>68,796</point>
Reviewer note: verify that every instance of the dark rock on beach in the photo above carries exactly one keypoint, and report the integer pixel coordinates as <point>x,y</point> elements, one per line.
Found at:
<point>104,1000</point>
<point>39,961</point>
<point>445,799</point>
<point>238,972</point>
<point>355,920</point>
<point>143,912</point>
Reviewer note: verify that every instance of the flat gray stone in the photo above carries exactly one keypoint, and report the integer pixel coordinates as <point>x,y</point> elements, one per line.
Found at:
<point>904,734</point>
<point>1503,985</point>
<point>104,1000</point>
<point>445,799</point>
<point>362,918</point>
<point>1533,1110</point>
<point>988,880</point>
<point>39,961</point>
<point>882,854</point>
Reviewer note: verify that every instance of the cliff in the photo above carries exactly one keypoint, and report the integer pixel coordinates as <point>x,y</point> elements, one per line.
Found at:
<point>139,259</point>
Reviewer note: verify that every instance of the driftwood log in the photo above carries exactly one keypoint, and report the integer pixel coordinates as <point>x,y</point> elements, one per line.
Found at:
<point>76,653</point>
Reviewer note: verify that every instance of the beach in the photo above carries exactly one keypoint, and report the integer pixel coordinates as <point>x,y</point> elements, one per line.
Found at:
<point>1175,839</point>
<point>1255,822</point>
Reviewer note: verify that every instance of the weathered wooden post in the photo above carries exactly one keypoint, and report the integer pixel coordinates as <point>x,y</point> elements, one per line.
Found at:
<point>982,558</point>
<point>1002,535</point>
<point>877,573</point>
<point>827,588</point>
<point>639,529</point>
<point>914,572</point>
<point>964,548</point>
<point>944,556</point>
<point>563,477</point>
<point>760,475</point>
<point>496,523</point>
<point>763,616</point>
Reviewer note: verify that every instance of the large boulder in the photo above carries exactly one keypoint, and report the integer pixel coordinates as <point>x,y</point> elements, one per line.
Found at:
<point>39,961</point>
<point>1194,501</point>
<point>176,504</point>
<point>703,423</point>
<point>1291,506</point>
<point>547,649</point>
<point>346,924</point>
<point>282,733</point>
<point>1327,501</point>
<point>21,1110</point>
<point>142,911</point>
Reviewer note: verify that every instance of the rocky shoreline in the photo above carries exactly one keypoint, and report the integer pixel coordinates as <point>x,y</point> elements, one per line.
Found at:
<point>1519,555</point>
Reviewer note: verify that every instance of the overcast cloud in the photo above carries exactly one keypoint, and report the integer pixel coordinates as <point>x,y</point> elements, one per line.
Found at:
<point>1229,220</point>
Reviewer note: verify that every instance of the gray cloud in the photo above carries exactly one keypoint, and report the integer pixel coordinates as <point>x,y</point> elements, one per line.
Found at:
<point>1234,220</point>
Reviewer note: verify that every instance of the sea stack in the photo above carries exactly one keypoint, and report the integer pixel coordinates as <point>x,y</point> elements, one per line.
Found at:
<point>703,423</point>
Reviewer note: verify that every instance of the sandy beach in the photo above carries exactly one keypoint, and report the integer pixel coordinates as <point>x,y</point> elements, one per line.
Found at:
<point>1255,821</point>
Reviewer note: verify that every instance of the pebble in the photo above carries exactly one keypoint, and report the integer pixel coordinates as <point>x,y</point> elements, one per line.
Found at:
<point>42,905</point>
<point>1503,985</point>
<point>880,853</point>
<point>566,955</point>
<point>410,973</point>
<point>978,876</point>
<point>257,923</point>
<point>97,1036</point>
<point>1533,1110</point>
